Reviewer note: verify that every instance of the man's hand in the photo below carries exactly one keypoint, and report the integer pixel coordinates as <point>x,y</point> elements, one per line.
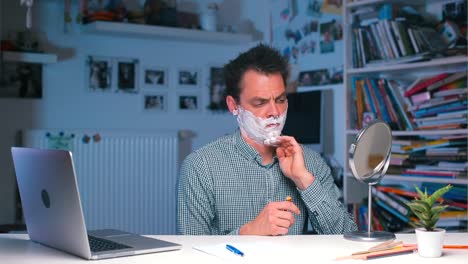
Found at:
<point>291,161</point>
<point>275,219</point>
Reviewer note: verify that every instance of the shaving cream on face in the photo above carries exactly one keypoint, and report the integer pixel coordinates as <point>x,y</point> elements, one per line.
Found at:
<point>261,130</point>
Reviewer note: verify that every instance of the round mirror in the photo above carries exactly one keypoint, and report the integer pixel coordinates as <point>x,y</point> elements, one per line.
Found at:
<point>369,157</point>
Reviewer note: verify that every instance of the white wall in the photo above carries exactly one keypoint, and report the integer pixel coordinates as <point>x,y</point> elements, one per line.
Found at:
<point>66,103</point>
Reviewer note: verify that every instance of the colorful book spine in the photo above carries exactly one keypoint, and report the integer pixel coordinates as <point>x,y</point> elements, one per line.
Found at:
<point>373,99</point>
<point>422,85</point>
<point>391,210</point>
<point>379,98</point>
<point>391,202</point>
<point>400,105</point>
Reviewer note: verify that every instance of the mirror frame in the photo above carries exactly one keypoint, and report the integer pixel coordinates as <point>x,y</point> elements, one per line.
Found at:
<point>381,168</point>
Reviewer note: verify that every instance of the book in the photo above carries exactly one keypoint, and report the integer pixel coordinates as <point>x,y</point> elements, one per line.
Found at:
<point>391,37</point>
<point>379,101</point>
<point>399,102</point>
<point>450,92</point>
<point>405,38</point>
<point>394,212</point>
<point>398,191</point>
<point>359,104</point>
<point>420,98</point>
<point>388,104</point>
<point>452,77</point>
<point>385,40</point>
<point>428,158</point>
<point>423,145</point>
<point>403,209</point>
<point>442,127</point>
<point>369,98</point>
<point>423,83</point>
<point>389,222</point>
<point>362,48</point>
<point>460,83</point>
<point>448,121</point>
<point>413,41</point>
<point>398,38</point>
<point>406,59</point>
<point>430,111</point>
<point>443,174</point>
<point>443,116</point>
<point>437,101</point>
<point>354,113</point>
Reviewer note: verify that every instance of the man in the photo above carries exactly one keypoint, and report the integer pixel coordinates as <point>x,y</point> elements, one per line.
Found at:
<point>238,184</point>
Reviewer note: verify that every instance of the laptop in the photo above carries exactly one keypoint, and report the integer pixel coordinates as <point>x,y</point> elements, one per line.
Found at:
<point>53,213</point>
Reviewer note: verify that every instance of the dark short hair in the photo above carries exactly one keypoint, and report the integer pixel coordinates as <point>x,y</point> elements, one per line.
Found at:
<point>261,58</point>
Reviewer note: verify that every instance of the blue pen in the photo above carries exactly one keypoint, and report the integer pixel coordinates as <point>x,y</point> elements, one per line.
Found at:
<point>234,250</point>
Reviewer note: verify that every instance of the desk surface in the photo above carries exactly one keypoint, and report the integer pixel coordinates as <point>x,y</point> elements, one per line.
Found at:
<point>16,248</point>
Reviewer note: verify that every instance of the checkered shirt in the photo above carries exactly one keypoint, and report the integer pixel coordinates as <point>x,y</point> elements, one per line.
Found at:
<point>224,185</point>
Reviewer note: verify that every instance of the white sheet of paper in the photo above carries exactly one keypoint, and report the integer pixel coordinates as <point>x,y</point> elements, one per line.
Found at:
<point>251,250</point>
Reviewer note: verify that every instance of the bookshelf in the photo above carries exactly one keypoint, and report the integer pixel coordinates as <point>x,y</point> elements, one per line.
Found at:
<point>29,57</point>
<point>377,74</point>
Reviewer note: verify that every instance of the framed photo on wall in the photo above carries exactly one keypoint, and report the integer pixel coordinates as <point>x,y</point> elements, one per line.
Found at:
<point>21,80</point>
<point>155,102</point>
<point>98,73</point>
<point>188,102</point>
<point>217,89</point>
<point>127,72</point>
<point>188,77</point>
<point>155,77</point>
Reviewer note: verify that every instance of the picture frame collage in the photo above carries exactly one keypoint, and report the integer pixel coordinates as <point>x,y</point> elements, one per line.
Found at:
<point>161,89</point>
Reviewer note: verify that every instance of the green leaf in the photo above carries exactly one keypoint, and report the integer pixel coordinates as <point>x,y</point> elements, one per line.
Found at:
<point>439,193</point>
<point>436,210</point>
<point>420,193</point>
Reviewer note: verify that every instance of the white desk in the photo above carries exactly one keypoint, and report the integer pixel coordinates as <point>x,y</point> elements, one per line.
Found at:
<point>15,248</point>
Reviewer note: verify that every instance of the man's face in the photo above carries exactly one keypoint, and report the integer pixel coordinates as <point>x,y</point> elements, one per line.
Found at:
<point>263,95</point>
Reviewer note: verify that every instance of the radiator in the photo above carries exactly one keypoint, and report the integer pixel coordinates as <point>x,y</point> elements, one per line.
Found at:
<point>127,180</point>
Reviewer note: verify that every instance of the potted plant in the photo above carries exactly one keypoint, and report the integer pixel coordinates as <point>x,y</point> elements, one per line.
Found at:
<point>429,238</point>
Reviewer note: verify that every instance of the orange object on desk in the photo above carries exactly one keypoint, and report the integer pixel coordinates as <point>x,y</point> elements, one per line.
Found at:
<point>445,246</point>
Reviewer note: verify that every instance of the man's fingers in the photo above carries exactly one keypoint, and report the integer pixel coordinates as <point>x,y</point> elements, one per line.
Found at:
<point>283,223</point>
<point>288,206</point>
<point>280,153</point>
<point>287,216</point>
<point>278,230</point>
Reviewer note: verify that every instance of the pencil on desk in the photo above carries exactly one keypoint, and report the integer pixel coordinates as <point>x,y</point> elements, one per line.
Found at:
<point>381,247</point>
<point>444,246</point>
<point>374,256</point>
<point>382,253</point>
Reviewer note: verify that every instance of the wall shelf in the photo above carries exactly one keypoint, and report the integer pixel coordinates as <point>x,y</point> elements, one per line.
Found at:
<point>403,68</point>
<point>362,3</point>
<point>145,31</point>
<point>29,57</point>
<point>398,178</point>
<point>418,132</point>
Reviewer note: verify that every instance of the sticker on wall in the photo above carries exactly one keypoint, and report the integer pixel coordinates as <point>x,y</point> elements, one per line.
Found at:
<point>60,141</point>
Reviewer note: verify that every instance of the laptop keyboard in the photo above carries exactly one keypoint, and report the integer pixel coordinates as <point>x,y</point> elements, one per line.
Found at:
<point>99,244</point>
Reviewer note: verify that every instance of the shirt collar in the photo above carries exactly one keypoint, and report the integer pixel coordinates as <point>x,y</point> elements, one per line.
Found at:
<point>248,151</point>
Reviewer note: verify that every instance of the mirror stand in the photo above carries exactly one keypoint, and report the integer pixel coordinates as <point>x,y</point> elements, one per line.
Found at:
<point>369,236</point>
<point>369,158</point>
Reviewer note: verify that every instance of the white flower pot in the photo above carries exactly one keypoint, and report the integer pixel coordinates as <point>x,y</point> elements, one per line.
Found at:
<point>430,243</point>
